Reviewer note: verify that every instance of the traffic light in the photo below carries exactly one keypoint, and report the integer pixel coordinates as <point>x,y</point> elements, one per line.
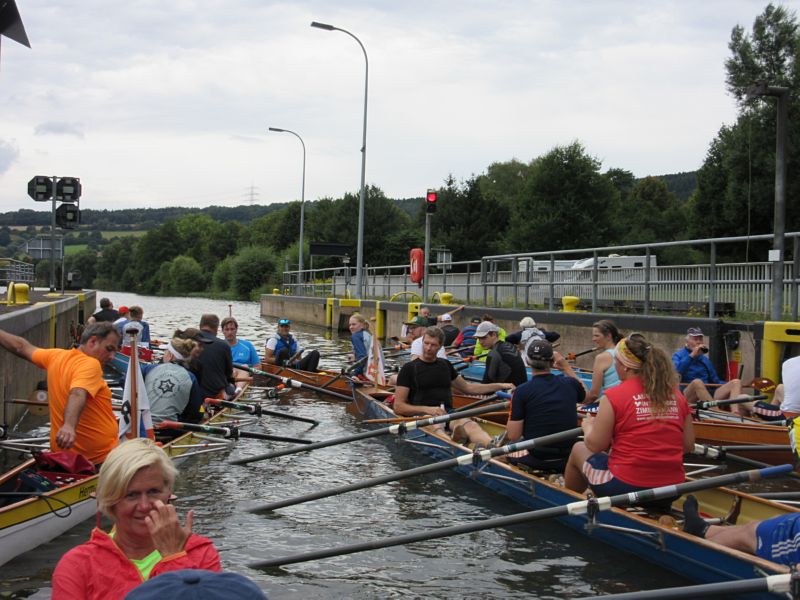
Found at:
<point>430,202</point>
<point>40,188</point>
<point>68,189</point>
<point>68,216</point>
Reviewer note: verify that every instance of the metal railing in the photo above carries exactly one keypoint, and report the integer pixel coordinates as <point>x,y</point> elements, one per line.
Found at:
<point>16,271</point>
<point>542,278</point>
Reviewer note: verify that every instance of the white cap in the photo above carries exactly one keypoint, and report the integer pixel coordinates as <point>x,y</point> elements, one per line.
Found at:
<point>527,322</point>
<point>446,317</point>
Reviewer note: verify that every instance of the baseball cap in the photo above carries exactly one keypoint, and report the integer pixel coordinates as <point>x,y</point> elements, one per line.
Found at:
<point>446,317</point>
<point>527,322</point>
<point>122,309</point>
<point>475,320</point>
<point>694,332</point>
<point>194,584</point>
<point>284,322</point>
<point>486,327</point>
<point>417,322</point>
<point>540,350</point>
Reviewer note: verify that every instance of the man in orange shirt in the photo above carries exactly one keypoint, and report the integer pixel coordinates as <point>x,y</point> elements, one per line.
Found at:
<point>81,418</point>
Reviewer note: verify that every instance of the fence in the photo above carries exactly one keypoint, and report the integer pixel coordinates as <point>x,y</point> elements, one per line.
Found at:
<point>16,271</point>
<point>519,280</point>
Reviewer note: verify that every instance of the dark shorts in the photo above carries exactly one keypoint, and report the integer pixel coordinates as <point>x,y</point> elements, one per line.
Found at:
<point>778,539</point>
<point>602,480</point>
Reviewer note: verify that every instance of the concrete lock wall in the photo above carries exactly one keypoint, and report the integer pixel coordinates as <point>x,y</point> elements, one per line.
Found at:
<point>575,328</point>
<point>49,324</point>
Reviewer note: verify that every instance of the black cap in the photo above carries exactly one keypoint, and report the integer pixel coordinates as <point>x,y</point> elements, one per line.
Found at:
<point>540,350</point>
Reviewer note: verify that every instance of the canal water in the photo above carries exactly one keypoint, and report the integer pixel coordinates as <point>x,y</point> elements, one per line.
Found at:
<point>542,560</point>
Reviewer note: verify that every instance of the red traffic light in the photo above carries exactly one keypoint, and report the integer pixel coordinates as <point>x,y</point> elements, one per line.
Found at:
<point>430,202</point>
<point>431,197</point>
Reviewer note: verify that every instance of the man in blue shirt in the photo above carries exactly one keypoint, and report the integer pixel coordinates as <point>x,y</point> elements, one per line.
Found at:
<point>697,373</point>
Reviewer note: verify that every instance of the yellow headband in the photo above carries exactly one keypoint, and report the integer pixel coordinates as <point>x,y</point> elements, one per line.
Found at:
<point>626,357</point>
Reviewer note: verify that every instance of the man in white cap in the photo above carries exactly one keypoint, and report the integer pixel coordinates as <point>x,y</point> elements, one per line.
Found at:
<point>450,331</point>
<point>529,332</point>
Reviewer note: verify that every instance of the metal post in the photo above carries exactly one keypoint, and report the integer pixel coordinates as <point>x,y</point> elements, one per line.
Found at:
<point>469,270</point>
<point>795,275</point>
<point>594,282</point>
<point>53,240</point>
<point>552,281</point>
<point>647,281</point>
<point>425,269</point>
<point>514,281</point>
<point>712,281</point>
<point>779,228</point>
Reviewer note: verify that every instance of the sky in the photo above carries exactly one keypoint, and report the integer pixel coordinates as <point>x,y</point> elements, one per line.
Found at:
<point>155,103</point>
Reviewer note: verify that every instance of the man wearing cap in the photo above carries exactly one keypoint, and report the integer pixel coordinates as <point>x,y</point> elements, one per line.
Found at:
<point>450,331</point>
<point>466,338</point>
<point>282,349</point>
<point>479,350</point>
<point>696,372</point>
<point>530,331</point>
<point>543,406</point>
<point>424,388</point>
<point>214,365</point>
<point>503,364</point>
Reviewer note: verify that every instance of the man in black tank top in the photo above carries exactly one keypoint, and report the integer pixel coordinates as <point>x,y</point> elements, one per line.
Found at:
<point>424,388</point>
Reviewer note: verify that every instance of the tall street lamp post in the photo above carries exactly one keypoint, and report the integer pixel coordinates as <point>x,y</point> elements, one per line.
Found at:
<point>360,243</point>
<point>302,201</point>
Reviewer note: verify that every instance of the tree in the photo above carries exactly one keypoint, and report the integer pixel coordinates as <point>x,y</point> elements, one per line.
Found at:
<point>252,268</point>
<point>184,276</point>
<point>85,262</point>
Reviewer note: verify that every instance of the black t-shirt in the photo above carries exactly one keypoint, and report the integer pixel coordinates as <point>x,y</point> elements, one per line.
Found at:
<point>106,314</point>
<point>215,367</point>
<point>450,334</point>
<point>428,383</point>
<point>504,365</point>
<point>547,405</point>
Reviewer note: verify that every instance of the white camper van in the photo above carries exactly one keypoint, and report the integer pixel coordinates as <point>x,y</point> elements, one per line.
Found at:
<point>614,262</point>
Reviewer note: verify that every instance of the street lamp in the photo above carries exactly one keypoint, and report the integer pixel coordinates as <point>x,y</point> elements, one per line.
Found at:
<point>761,88</point>
<point>302,199</point>
<point>360,243</point>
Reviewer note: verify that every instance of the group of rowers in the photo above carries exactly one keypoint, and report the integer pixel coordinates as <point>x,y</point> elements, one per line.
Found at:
<point>643,400</point>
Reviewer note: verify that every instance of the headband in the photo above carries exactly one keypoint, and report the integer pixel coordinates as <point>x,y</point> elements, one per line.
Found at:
<point>174,352</point>
<point>626,357</point>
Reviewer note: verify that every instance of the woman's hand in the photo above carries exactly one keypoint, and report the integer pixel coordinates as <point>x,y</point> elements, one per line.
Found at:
<point>169,537</point>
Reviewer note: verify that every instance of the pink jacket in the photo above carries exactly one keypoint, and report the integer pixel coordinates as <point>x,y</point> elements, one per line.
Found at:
<point>99,570</point>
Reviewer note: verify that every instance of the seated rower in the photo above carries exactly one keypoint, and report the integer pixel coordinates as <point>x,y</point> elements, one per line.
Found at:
<point>172,389</point>
<point>424,388</point>
<point>466,337</point>
<point>479,350</point>
<point>787,394</point>
<point>605,337</point>
<point>696,373</point>
<point>527,334</point>
<point>772,539</point>
<point>361,339</point>
<point>416,329</point>
<point>503,363</point>
<point>645,422</point>
<point>282,349</point>
<point>242,351</point>
<point>134,490</point>
<point>545,405</point>
<point>450,331</point>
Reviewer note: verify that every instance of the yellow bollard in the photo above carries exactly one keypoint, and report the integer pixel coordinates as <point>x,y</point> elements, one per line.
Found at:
<point>570,303</point>
<point>11,297</point>
<point>276,292</point>
<point>446,298</point>
<point>22,293</point>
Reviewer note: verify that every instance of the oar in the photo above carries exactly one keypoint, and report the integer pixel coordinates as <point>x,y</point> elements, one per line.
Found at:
<point>709,404</point>
<point>258,410</point>
<point>581,507</point>
<point>574,355</point>
<point>398,429</point>
<point>720,454</point>
<point>288,381</point>
<point>776,584</point>
<point>469,359</point>
<point>345,372</point>
<point>229,432</point>
<point>482,401</point>
<point>464,459</point>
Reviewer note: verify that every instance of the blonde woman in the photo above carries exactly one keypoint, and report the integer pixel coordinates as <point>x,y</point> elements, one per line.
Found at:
<point>361,340</point>
<point>134,490</point>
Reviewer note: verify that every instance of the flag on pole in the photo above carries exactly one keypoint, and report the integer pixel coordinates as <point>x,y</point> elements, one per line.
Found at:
<point>135,419</point>
<point>375,371</point>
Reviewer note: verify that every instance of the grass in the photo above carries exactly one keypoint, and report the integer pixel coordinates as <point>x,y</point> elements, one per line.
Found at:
<point>109,235</point>
<point>74,249</point>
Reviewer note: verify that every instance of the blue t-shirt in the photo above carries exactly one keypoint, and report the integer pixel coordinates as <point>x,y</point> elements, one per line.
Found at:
<point>699,367</point>
<point>547,404</point>
<point>244,353</point>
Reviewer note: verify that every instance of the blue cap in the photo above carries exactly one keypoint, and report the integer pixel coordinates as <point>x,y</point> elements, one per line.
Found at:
<point>284,322</point>
<point>194,584</point>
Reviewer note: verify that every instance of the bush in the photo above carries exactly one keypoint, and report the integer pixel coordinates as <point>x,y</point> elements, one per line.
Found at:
<point>221,279</point>
<point>251,268</point>
<point>186,275</point>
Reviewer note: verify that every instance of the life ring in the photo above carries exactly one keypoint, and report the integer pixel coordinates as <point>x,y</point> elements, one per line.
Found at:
<point>417,272</point>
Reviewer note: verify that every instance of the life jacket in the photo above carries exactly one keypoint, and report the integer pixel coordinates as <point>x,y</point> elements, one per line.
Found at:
<point>282,343</point>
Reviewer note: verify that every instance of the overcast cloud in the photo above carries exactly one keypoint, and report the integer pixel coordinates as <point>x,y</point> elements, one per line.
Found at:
<point>155,103</point>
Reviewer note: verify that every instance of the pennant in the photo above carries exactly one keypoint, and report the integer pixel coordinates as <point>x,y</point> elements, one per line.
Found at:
<point>375,371</point>
<point>134,400</point>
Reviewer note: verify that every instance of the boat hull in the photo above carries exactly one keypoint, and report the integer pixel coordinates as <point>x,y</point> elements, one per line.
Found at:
<point>722,433</point>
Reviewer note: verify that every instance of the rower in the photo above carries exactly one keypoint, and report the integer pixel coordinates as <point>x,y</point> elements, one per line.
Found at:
<point>696,372</point>
<point>450,331</point>
<point>479,350</point>
<point>605,337</point>
<point>543,406</point>
<point>503,363</point>
<point>416,329</point>
<point>282,349</point>
<point>243,352</point>
<point>787,394</point>
<point>424,387</point>
<point>361,339</point>
<point>172,389</point>
<point>106,313</point>
<point>466,338</point>
<point>214,366</point>
<point>528,333</point>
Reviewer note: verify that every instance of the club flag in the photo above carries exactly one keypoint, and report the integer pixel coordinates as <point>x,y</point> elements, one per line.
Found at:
<point>141,402</point>
<point>375,371</point>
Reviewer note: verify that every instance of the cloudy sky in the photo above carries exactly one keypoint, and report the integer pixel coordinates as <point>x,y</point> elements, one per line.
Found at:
<point>167,102</point>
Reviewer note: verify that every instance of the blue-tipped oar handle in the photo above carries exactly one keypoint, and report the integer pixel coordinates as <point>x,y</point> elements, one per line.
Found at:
<point>502,394</point>
<point>581,507</point>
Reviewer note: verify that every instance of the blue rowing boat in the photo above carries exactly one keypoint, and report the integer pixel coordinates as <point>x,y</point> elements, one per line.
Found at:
<point>631,531</point>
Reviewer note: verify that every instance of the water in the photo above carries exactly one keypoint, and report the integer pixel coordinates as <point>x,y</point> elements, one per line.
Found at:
<point>543,560</point>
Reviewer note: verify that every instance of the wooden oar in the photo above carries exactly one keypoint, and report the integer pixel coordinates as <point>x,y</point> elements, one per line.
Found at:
<point>776,584</point>
<point>465,459</point>
<point>229,432</point>
<point>581,507</point>
<point>398,429</point>
<point>258,410</point>
<point>288,381</point>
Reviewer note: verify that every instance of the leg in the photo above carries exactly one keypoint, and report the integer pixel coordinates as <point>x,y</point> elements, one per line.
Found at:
<point>731,390</point>
<point>573,474</point>
<point>309,362</point>
<point>738,537</point>
<point>777,399</point>
<point>696,392</point>
<point>473,431</point>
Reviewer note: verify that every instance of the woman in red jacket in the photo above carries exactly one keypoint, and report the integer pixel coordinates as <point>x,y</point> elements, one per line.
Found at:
<point>134,490</point>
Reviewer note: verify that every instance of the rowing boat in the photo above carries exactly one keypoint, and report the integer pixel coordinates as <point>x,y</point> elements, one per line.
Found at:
<point>629,530</point>
<point>721,433</point>
<point>37,519</point>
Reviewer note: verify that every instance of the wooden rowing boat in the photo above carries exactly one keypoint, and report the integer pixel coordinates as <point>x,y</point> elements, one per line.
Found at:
<point>629,530</point>
<point>35,520</point>
<point>722,433</point>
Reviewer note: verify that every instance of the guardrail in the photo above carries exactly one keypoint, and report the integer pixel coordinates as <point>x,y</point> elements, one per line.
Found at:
<point>16,271</point>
